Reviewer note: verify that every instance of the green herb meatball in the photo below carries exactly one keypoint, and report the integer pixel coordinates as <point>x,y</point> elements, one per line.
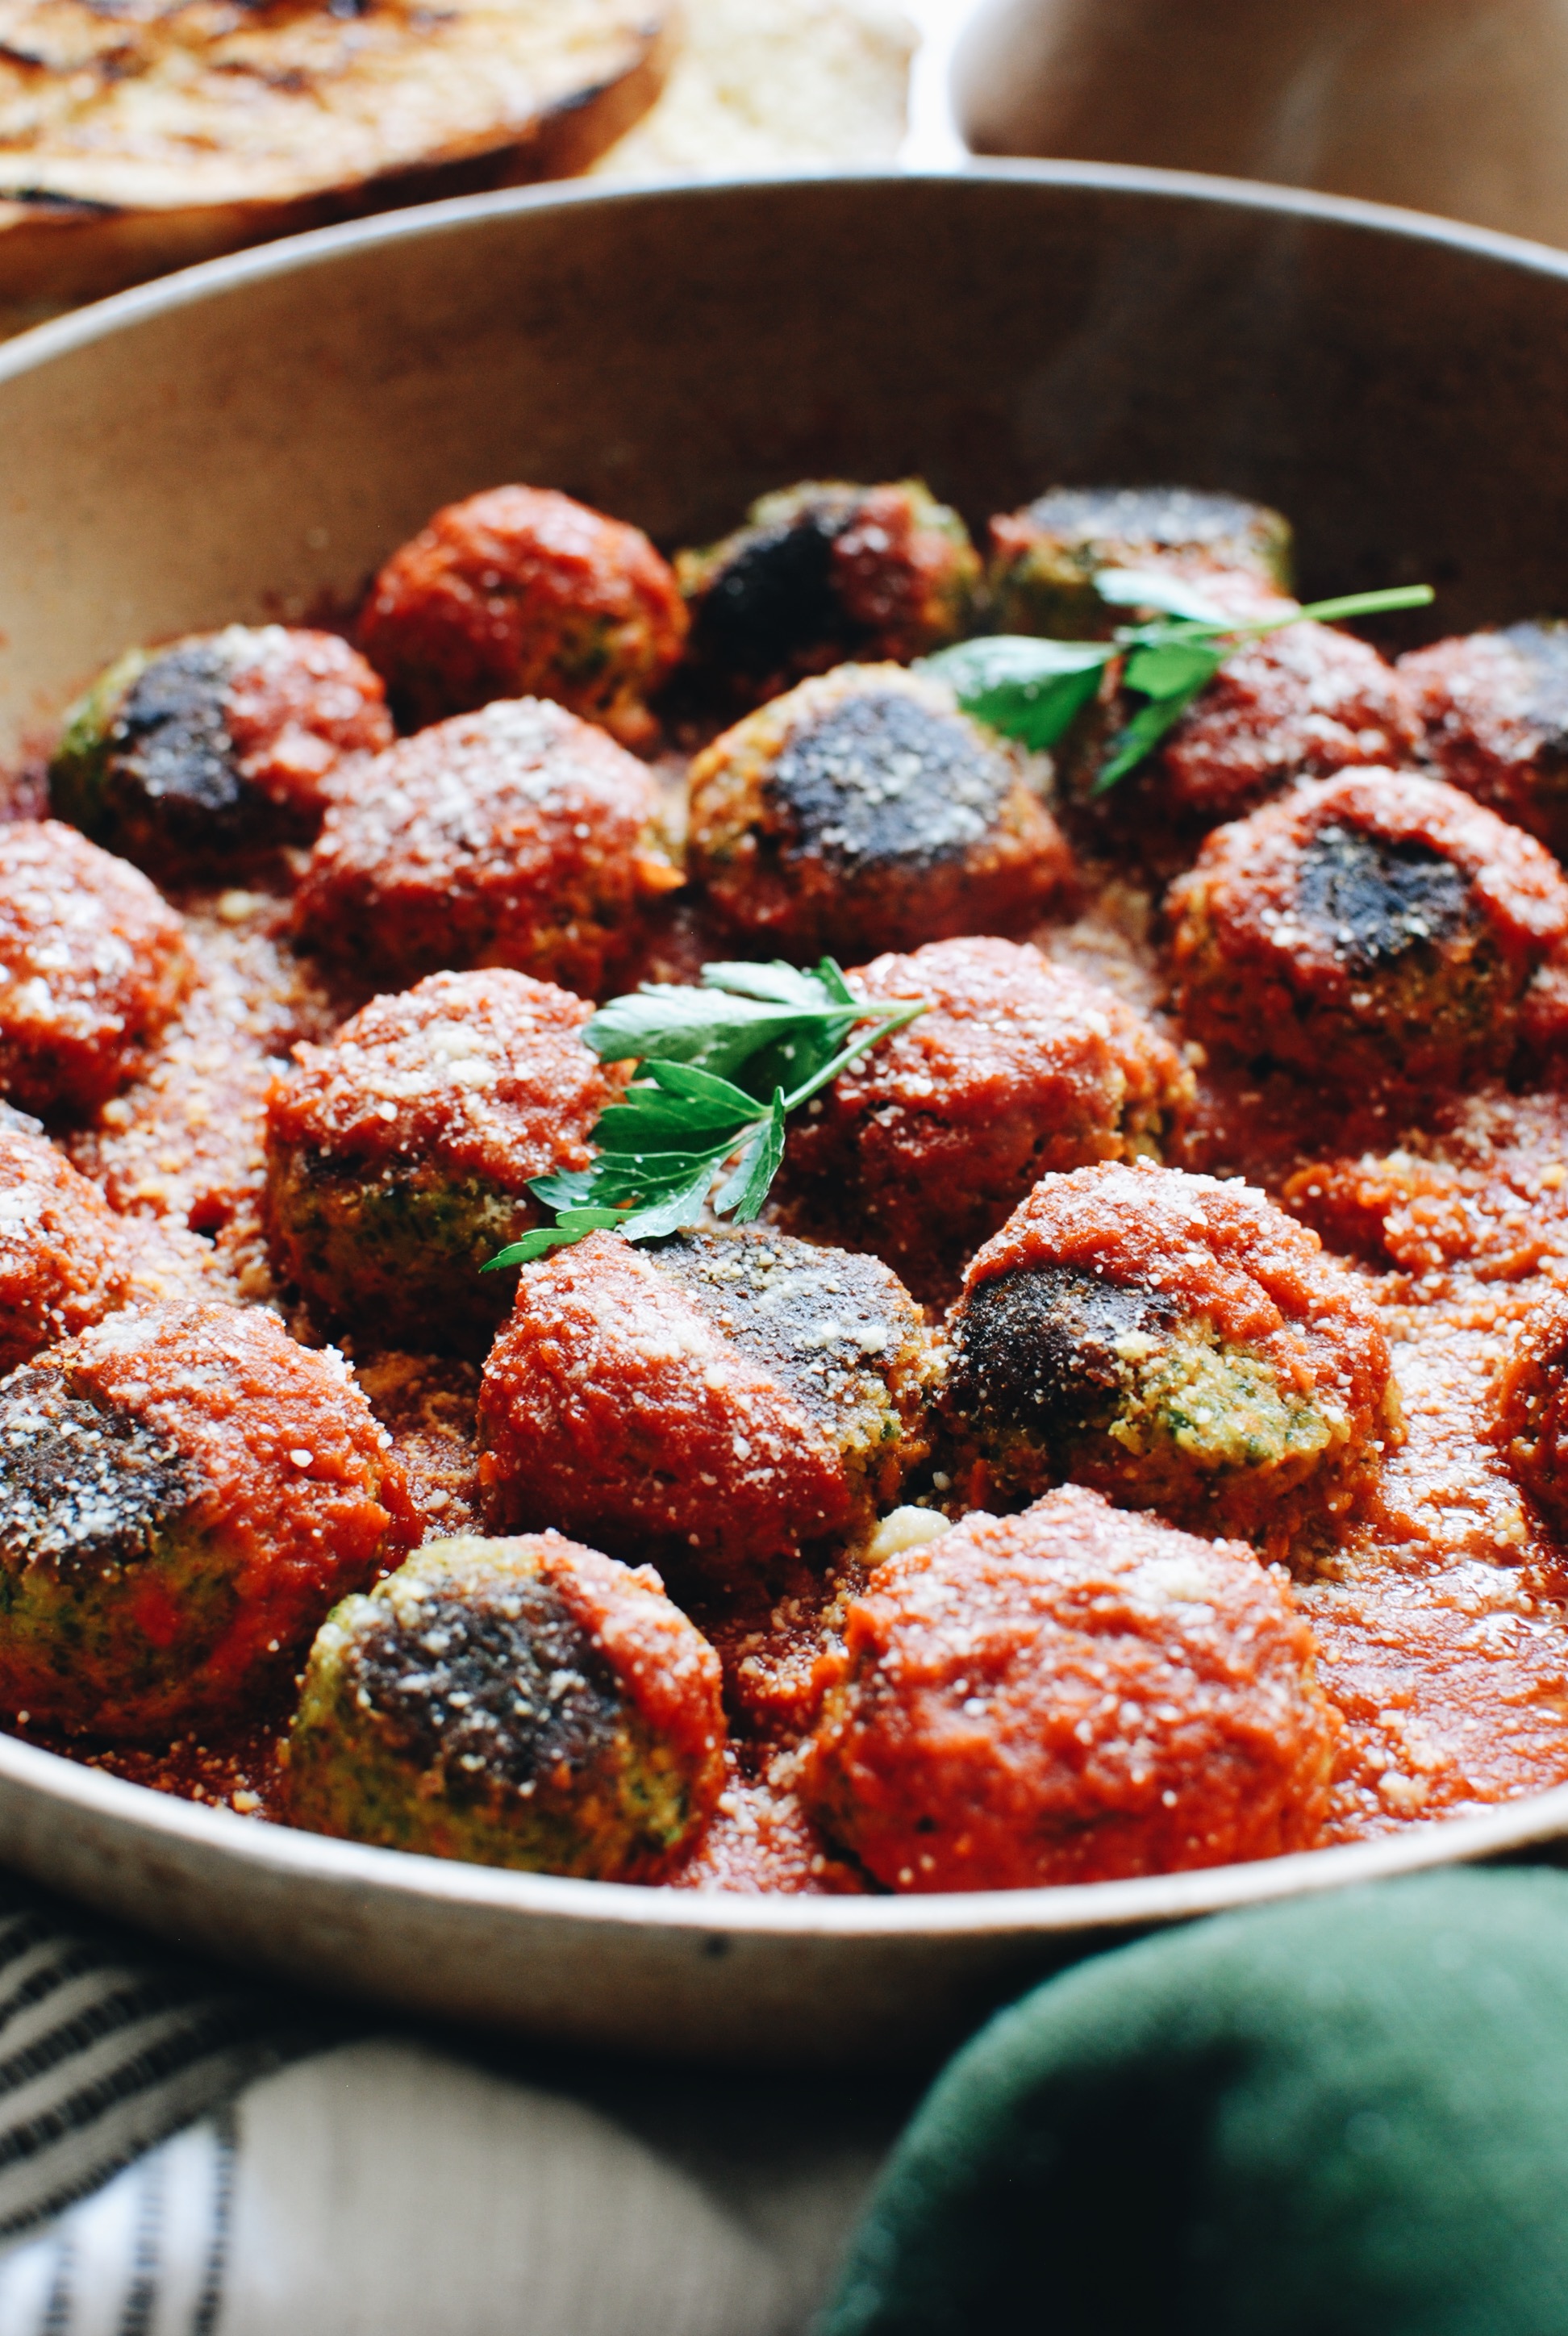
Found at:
<point>522,592</point>
<point>1175,1343</point>
<point>1019,1068</point>
<point>93,964</point>
<point>863,811</point>
<point>1493,710</point>
<point>196,759</point>
<point>1300,703</point>
<point>186,1492</point>
<point>525,1703</point>
<point>398,1157</point>
<point>1045,558</point>
<point>1530,1406</point>
<point>516,836</point>
<point>825,571</point>
<point>720,1398</point>
<point>1071,1695</point>
<point>1377,928</point>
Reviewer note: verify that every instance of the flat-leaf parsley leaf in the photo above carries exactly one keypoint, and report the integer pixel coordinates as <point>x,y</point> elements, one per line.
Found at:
<point>719,1070</point>
<point>1034,690</point>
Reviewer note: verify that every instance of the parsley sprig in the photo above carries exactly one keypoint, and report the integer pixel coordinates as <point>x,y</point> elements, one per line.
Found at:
<point>1034,690</point>
<point>719,1070</point>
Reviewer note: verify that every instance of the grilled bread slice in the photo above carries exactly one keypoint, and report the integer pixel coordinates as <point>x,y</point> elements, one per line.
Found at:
<point>138,135</point>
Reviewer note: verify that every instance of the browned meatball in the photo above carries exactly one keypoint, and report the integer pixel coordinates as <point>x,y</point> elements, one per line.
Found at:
<point>1072,1695</point>
<point>398,1158</point>
<point>1494,713</point>
<point>1300,703</point>
<point>1045,558</point>
<point>92,963</point>
<point>1376,926</point>
<point>1530,1406</point>
<point>524,1703</point>
<point>1178,1343</point>
<point>824,571</point>
<point>923,1148</point>
<point>196,759</point>
<point>517,836</point>
<point>522,592</point>
<point>186,1493</point>
<point>718,1398</point>
<point>66,1260</point>
<point>863,811</point>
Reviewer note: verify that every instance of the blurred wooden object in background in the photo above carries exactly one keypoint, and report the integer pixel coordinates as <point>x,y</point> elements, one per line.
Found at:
<point>775,85</point>
<point>1457,106</point>
<point>138,137</point>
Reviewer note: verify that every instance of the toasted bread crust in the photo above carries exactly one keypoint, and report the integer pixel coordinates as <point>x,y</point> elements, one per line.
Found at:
<point>169,131</point>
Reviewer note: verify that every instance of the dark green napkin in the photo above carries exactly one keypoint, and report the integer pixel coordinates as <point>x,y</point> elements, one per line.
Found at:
<point>1346,2116</point>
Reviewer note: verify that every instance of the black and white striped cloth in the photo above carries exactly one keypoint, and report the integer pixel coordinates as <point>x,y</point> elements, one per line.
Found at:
<point>186,2154</point>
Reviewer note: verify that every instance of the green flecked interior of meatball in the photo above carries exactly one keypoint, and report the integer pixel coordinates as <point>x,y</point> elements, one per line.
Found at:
<point>1049,554</point>
<point>79,768</point>
<point>836,1328</point>
<point>462,1710</point>
<point>107,1581</point>
<point>1059,1374</point>
<point>397,1246</point>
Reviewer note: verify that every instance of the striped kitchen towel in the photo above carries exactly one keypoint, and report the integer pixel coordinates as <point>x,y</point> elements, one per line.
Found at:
<point>184,2155</point>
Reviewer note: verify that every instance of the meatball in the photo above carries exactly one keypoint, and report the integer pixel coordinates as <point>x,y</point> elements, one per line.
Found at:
<point>921,1149</point>
<point>196,759</point>
<point>1494,713</point>
<point>1300,703</point>
<point>186,1493</point>
<point>1072,1695</point>
<point>1045,558</point>
<point>398,1158</point>
<point>522,592</point>
<point>1378,927</point>
<point>1179,1344</point>
<point>1530,1408</point>
<point>525,1703</point>
<point>66,1260</point>
<point>824,571</point>
<point>723,1398</point>
<point>93,964</point>
<point>517,836</point>
<point>865,811</point>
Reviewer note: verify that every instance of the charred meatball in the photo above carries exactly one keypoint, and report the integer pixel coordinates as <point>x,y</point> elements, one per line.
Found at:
<point>522,592</point>
<point>865,811</point>
<point>525,1703</point>
<point>1178,1344</point>
<point>93,964</point>
<point>719,1398</point>
<point>186,1492</point>
<point>519,836</point>
<point>66,1260</point>
<point>1045,557</point>
<point>826,571</point>
<point>1072,1695</point>
<point>196,759</point>
<point>1530,1408</point>
<point>1301,703</point>
<point>1492,709</point>
<point>1378,927</point>
<point>398,1157</point>
<point>1019,1068</point>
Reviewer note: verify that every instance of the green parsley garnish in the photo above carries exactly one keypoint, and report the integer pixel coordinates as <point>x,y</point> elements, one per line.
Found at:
<point>719,1070</point>
<point>1033,690</point>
